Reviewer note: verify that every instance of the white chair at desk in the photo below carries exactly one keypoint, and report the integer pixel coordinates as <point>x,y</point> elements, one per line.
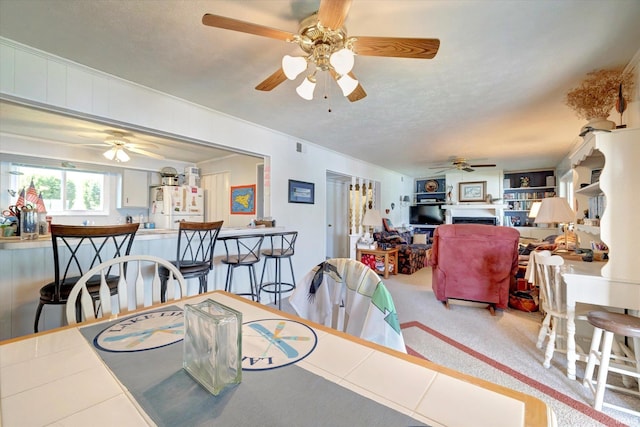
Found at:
<point>547,275</point>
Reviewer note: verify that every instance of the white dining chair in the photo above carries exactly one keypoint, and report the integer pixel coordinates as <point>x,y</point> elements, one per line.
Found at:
<point>139,285</point>
<point>547,276</point>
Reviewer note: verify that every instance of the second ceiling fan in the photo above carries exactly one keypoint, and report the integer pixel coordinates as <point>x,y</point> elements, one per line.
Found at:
<point>323,38</point>
<point>461,164</point>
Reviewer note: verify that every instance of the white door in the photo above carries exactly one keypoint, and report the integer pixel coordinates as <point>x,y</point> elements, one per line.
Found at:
<point>216,187</point>
<point>337,218</point>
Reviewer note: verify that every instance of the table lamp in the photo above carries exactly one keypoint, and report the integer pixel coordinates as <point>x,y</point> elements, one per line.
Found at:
<point>556,209</point>
<point>535,208</point>
<point>371,219</point>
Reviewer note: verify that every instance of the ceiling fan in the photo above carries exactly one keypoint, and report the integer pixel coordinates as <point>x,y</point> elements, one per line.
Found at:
<point>461,164</point>
<point>119,144</point>
<point>326,46</point>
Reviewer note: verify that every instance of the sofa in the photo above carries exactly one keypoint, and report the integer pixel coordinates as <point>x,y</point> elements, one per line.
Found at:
<point>474,262</point>
<point>411,256</point>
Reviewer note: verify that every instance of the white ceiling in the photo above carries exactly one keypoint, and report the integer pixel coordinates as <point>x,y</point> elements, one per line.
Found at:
<point>493,92</point>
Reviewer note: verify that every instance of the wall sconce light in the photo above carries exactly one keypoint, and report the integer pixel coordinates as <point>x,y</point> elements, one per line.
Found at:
<point>405,201</point>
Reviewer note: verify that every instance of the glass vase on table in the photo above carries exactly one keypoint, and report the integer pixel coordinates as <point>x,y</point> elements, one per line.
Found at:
<point>213,345</point>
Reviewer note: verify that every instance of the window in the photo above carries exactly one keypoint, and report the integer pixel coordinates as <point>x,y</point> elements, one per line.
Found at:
<point>63,191</point>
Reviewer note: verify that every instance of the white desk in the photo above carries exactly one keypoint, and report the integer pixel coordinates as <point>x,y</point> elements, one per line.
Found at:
<point>57,377</point>
<point>585,284</point>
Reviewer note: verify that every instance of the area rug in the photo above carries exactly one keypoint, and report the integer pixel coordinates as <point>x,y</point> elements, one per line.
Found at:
<point>427,343</point>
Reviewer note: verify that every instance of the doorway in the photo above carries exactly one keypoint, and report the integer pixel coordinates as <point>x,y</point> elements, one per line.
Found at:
<point>337,223</point>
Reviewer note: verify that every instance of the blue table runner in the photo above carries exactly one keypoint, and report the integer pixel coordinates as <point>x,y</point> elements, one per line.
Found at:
<point>287,396</point>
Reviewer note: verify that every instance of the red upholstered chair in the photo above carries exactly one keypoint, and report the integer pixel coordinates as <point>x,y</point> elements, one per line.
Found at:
<point>474,262</point>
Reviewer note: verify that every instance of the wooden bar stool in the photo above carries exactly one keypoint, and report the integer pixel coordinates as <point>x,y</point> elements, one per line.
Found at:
<point>609,324</point>
<point>282,246</point>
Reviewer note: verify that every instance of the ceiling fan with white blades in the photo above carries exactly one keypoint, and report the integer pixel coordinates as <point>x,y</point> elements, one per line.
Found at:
<point>119,143</point>
<point>461,164</point>
<point>327,47</point>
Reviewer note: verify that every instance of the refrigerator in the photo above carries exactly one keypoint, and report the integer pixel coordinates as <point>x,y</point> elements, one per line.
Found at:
<point>171,204</point>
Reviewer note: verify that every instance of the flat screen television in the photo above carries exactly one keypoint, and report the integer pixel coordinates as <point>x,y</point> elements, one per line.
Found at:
<point>427,214</point>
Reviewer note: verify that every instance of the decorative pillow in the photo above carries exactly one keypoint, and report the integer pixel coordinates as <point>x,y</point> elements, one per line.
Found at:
<point>420,238</point>
<point>394,238</point>
<point>388,226</point>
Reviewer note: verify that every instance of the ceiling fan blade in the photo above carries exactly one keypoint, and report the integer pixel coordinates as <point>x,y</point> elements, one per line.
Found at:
<point>398,47</point>
<point>357,94</point>
<point>245,27</point>
<point>145,153</point>
<point>332,13</point>
<point>467,169</point>
<point>483,166</point>
<point>272,81</point>
<point>440,171</point>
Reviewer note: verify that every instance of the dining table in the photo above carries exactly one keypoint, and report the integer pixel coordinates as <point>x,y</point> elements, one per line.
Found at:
<point>128,370</point>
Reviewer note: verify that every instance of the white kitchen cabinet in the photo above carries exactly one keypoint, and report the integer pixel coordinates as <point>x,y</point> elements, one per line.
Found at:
<point>134,189</point>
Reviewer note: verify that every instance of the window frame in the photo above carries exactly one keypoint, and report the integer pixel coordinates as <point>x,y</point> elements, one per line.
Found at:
<point>105,187</point>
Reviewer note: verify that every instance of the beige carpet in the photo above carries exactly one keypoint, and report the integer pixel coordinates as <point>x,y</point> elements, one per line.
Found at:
<point>508,339</point>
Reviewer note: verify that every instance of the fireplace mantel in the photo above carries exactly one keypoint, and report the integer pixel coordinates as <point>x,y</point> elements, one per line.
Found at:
<point>474,210</point>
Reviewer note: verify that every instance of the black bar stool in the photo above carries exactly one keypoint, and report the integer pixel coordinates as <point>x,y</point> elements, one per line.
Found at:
<point>76,250</point>
<point>194,257</point>
<point>242,251</point>
<point>608,324</point>
<point>282,246</point>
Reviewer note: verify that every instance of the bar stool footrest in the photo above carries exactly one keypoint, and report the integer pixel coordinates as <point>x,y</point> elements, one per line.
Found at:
<point>272,287</point>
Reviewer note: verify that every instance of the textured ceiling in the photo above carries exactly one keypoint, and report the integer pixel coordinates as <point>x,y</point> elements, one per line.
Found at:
<point>494,91</point>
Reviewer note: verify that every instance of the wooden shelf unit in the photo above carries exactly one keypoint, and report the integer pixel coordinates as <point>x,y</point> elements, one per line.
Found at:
<point>519,198</point>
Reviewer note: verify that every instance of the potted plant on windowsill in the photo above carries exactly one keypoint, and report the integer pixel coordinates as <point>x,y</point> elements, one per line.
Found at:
<point>596,96</point>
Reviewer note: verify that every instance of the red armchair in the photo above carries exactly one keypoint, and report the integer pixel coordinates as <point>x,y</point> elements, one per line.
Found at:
<point>474,262</point>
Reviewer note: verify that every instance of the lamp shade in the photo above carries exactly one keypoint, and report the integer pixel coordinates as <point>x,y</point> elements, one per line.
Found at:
<point>306,88</point>
<point>293,66</point>
<point>121,156</point>
<point>342,61</point>
<point>347,84</point>
<point>535,208</point>
<point>372,218</point>
<point>554,209</point>
<point>110,154</point>
<point>406,199</point>
<point>117,154</point>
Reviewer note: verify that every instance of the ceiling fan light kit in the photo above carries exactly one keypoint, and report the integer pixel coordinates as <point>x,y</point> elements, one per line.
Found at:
<point>117,154</point>
<point>323,38</point>
<point>306,88</point>
<point>347,84</point>
<point>293,66</point>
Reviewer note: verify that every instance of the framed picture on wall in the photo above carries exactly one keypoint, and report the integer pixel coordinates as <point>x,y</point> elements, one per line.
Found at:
<point>301,192</point>
<point>243,200</point>
<point>472,191</point>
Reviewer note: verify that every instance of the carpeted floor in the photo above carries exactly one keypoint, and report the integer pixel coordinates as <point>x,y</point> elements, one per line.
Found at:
<point>501,349</point>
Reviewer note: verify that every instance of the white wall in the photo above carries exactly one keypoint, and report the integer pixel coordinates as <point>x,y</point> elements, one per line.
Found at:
<point>36,77</point>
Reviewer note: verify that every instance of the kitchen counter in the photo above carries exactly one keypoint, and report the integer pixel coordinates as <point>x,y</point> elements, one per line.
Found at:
<point>27,265</point>
<point>44,241</point>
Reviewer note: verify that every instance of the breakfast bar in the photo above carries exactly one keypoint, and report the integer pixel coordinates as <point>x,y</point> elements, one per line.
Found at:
<point>28,264</point>
<point>335,372</point>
